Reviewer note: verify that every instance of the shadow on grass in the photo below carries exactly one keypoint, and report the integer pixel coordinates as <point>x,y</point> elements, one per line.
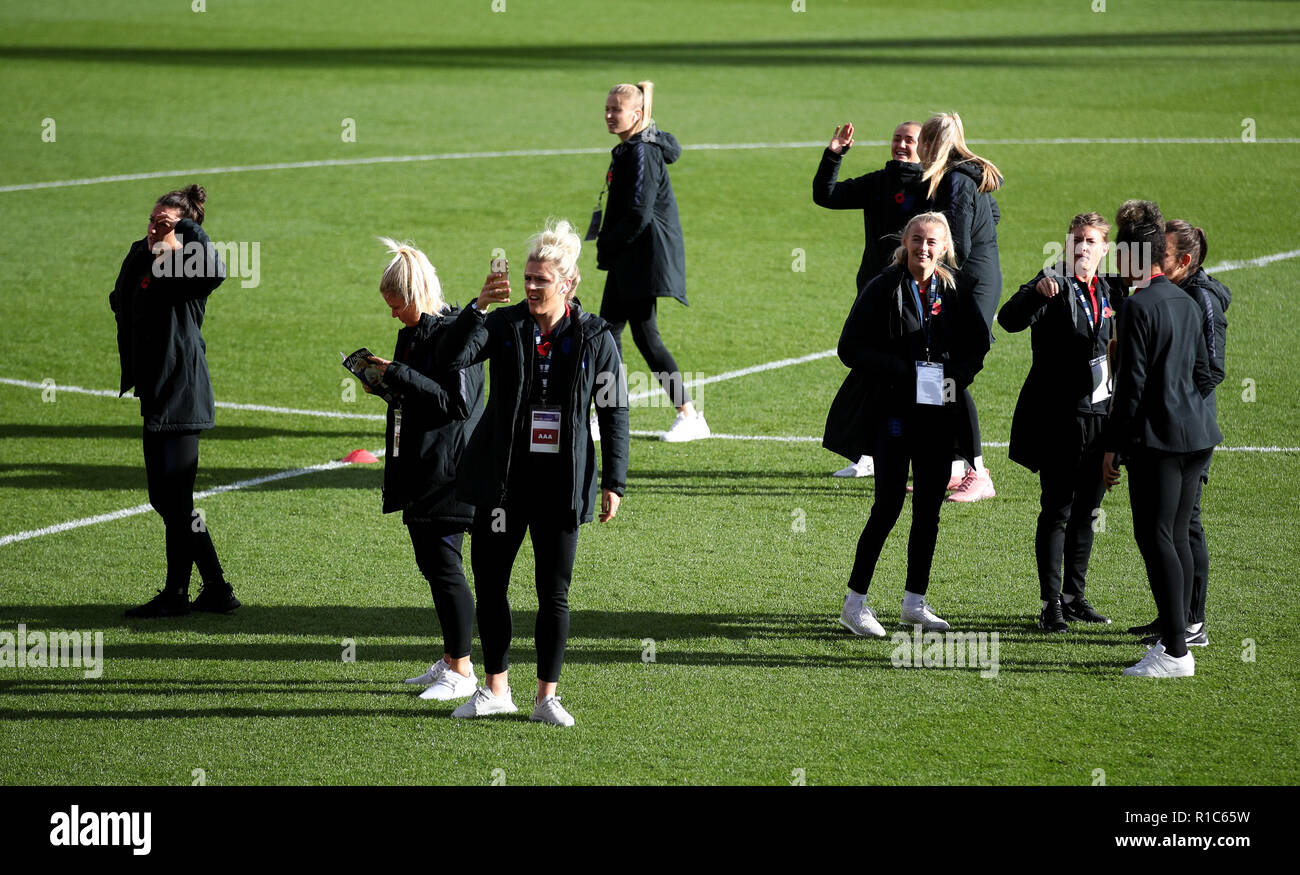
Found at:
<point>37,431</point>
<point>1049,50</point>
<point>74,475</point>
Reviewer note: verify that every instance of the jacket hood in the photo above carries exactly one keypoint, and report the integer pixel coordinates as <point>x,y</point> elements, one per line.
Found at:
<point>1203,280</point>
<point>666,142</point>
<point>904,171</point>
<point>974,171</point>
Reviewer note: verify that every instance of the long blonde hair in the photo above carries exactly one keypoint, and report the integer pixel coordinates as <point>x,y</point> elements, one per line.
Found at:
<point>410,277</point>
<point>641,92</point>
<point>944,267</point>
<point>943,139</point>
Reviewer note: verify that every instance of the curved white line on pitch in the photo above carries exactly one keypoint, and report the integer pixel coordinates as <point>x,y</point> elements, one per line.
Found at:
<point>539,153</point>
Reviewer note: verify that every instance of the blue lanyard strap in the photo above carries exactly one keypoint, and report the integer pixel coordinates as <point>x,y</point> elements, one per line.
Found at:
<point>923,311</point>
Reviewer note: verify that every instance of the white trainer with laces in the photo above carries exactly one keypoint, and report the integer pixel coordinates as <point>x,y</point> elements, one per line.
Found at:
<point>861,621</point>
<point>864,467</point>
<point>1159,664</point>
<point>484,704</point>
<point>549,710</point>
<point>687,428</point>
<point>435,671</point>
<point>927,619</point>
<point>451,684</point>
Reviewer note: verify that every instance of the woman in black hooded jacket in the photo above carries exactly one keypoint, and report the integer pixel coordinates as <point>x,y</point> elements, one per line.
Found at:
<point>159,302</point>
<point>430,419</point>
<point>960,185</point>
<point>640,244</point>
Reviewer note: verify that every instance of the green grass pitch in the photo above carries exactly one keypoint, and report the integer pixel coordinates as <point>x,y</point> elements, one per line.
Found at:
<point>730,555</point>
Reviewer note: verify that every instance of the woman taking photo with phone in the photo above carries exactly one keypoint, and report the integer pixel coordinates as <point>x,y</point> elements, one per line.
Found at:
<point>640,244</point>
<point>960,185</point>
<point>430,418</point>
<point>159,303</point>
<point>531,465</point>
<point>1161,427</point>
<point>915,330</point>
<point>1056,429</point>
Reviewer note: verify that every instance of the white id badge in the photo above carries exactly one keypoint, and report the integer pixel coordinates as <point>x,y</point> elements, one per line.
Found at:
<point>929,383</point>
<point>1100,379</point>
<point>545,430</point>
<point>397,431</point>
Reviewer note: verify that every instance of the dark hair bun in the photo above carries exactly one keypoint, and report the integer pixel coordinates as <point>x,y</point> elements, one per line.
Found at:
<point>196,194</point>
<point>1135,212</point>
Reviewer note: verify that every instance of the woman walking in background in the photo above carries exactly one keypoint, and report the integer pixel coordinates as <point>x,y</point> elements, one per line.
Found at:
<point>640,244</point>
<point>531,465</point>
<point>1056,430</point>
<point>916,331</point>
<point>960,185</point>
<point>430,418</point>
<point>159,308</point>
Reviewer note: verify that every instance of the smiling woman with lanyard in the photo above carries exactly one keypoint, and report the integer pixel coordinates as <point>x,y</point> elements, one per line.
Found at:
<point>921,340</point>
<point>1056,429</point>
<point>530,466</point>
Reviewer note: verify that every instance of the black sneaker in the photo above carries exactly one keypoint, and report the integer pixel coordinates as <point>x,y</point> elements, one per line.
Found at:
<point>1051,620</point>
<point>1079,610</point>
<point>216,598</point>
<point>166,604</point>
<point>1152,628</point>
<point>1194,639</point>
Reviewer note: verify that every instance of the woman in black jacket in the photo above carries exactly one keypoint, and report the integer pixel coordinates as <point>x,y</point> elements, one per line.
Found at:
<point>159,302</point>
<point>1185,252</point>
<point>960,184</point>
<point>531,465</point>
<point>1056,429</point>
<point>1160,426</point>
<point>430,418</point>
<point>640,244</point>
<point>916,334</point>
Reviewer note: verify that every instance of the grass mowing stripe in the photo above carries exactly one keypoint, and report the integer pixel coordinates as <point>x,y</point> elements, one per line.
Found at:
<point>543,153</point>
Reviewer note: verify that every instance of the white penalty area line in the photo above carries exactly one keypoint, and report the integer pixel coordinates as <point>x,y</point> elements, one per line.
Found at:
<point>543,153</point>
<point>198,496</point>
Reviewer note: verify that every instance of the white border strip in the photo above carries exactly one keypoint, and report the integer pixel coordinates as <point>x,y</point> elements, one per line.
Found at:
<point>145,508</point>
<point>541,153</point>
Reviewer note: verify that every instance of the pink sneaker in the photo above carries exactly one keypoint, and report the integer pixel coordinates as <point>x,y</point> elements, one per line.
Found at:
<point>956,480</point>
<point>975,486</point>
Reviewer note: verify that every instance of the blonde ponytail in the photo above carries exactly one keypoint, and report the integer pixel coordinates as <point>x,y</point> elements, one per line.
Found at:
<point>643,93</point>
<point>411,277</point>
<point>943,139</point>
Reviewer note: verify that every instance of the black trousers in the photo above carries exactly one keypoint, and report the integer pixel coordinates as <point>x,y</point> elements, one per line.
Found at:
<point>438,555</point>
<point>973,417</point>
<point>1072,490</point>
<point>1162,490</point>
<point>171,462</point>
<point>640,313</point>
<point>921,437</point>
<point>494,542</point>
<point>1200,556</point>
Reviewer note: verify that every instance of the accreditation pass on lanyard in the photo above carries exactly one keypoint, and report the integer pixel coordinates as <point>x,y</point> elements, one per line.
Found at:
<point>397,431</point>
<point>544,429</point>
<point>1100,379</point>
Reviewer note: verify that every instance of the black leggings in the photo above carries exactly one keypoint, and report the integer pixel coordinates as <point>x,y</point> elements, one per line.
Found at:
<point>438,555</point>
<point>1200,556</point>
<point>1072,489</point>
<point>968,409</point>
<point>640,312</point>
<point>171,462</point>
<point>925,439</point>
<point>494,543</point>
<point>1162,489</point>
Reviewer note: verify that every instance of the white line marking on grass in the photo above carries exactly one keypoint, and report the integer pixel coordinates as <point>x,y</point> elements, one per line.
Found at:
<point>1225,266</point>
<point>743,372</point>
<point>541,153</point>
<point>145,508</point>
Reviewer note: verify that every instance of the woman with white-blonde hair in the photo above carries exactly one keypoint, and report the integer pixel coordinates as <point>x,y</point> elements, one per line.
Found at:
<point>916,332</point>
<point>433,412</point>
<point>960,184</point>
<point>531,466</point>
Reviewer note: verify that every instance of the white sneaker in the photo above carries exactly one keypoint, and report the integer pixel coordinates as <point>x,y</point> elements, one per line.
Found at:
<point>1159,664</point>
<point>927,619</point>
<point>687,428</point>
<point>862,621</point>
<point>484,704</point>
<point>864,467</point>
<point>594,426</point>
<point>549,710</point>
<point>435,671</point>
<point>451,684</point>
